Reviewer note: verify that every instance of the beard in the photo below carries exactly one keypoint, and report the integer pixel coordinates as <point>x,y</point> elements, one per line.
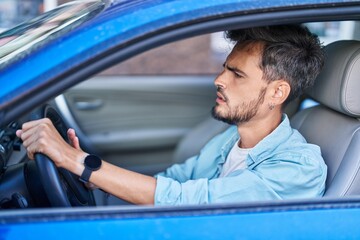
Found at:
<point>241,113</point>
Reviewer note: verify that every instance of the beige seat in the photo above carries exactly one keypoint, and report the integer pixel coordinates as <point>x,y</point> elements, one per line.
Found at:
<point>195,140</point>
<point>334,123</point>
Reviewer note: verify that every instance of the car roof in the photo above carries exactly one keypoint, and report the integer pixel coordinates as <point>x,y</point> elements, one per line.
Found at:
<point>121,29</point>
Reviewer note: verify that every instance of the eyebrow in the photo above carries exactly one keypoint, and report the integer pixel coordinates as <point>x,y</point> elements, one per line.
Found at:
<point>234,69</point>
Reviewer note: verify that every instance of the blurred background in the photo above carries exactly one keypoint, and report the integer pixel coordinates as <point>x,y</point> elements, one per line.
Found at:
<point>212,48</point>
<point>14,12</point>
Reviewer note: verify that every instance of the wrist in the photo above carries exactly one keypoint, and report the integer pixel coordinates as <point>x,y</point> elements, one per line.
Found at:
<point>76,162</point>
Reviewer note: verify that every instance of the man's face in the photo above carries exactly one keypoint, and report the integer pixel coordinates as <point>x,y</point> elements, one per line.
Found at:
<point>241,89</point>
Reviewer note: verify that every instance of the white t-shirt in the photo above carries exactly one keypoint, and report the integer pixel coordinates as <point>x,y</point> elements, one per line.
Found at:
<point>235,160</point>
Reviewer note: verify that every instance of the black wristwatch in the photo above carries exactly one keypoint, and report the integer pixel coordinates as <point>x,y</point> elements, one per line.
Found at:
<point>91,163</point>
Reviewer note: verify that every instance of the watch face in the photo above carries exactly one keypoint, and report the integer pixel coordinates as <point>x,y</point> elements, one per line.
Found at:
<point>93,162</point>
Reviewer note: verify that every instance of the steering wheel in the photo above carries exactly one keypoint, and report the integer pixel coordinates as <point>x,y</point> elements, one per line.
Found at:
<point>62,187</point>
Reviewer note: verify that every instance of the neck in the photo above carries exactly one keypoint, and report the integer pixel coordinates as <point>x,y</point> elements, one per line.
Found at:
<point>255,130</point>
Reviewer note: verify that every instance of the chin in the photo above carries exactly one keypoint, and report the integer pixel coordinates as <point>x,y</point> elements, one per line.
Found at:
<point>218,115</point>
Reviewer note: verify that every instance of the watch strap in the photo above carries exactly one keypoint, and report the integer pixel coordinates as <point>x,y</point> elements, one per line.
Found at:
<point>85,176</point>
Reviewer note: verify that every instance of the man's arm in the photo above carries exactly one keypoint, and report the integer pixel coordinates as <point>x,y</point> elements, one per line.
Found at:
<point>127,185</point>
<point>40,136</point>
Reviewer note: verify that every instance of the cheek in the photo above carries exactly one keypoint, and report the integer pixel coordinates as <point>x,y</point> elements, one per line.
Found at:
<point>240,96</point>
<point>247,96</point>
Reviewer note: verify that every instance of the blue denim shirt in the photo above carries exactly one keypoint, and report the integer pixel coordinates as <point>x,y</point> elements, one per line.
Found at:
<point>281,166</point>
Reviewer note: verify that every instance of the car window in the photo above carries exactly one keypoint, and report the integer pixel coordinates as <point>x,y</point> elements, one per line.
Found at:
<point>13,12</point>
<point>205,54</point>
<point>18,41</point>
<point>332,31</point>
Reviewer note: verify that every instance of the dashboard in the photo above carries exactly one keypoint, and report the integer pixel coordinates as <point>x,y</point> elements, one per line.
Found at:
<point>9,143</point>
<point>22,182</point>
<point>19,183</point>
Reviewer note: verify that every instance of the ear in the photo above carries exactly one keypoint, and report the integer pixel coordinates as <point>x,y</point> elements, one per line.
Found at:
<point>280,91</point>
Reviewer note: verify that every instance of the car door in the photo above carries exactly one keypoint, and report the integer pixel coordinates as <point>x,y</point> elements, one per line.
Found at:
<point>135,113</point>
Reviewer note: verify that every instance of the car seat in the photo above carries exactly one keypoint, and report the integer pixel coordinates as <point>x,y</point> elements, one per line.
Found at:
<point>334,123</point>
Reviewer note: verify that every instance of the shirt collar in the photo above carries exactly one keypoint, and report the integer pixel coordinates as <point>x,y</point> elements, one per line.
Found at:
<point>228,145</point>
<point>268,144</point>
<point>265,147</point>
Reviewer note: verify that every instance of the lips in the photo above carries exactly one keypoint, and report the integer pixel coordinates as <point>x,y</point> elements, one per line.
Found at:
<point>220,97</point>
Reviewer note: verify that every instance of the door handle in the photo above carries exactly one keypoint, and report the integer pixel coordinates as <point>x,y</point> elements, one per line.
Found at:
<point>89,105</point>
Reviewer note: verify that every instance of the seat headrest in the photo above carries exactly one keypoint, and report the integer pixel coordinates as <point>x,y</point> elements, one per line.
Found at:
<point>338,85</point>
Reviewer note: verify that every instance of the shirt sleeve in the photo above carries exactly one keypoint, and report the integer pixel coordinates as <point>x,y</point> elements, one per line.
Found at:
<point>180,172</point>
<point>302,177</point>
<point>245,186</point>
<point>270,180</point>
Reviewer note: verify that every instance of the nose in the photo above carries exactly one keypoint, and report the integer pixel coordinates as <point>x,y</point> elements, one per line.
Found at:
<point>219,81</point>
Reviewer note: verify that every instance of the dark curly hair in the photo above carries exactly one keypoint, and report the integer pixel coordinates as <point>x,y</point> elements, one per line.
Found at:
<point>290,52</point>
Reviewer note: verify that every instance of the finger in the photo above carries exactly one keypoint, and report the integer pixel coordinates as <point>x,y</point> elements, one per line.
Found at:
<point>71,136</point>
<point>39,136</point>
<point>35,144</point>
<point>28,134</point>
<point>18,133</point>
<point>31,124</point>
<point>77,143</point>
<point>30,155</point>
<point>40,131</point>
<point>30,129</point>
<point>26,143</point>
<point>31,152</point>
<point>74,140</point>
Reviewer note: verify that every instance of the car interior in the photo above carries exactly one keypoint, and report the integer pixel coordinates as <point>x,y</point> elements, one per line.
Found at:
<point>337,99</point>
<point>146,121</point>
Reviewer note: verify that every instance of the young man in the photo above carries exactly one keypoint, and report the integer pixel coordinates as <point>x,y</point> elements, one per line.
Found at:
<point>259,158</point>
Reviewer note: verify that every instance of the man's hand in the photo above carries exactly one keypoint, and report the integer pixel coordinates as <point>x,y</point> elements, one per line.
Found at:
<point>40,136</point>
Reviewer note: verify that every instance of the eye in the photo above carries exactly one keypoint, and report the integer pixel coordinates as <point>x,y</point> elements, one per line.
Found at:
<point>233,70</point>
<point>238,75</point>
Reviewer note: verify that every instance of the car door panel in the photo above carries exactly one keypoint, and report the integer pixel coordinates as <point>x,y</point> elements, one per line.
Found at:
<point>136,121</point>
